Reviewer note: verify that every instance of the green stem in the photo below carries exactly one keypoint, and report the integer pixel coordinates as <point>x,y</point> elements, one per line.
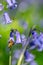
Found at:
<point>10,57</point>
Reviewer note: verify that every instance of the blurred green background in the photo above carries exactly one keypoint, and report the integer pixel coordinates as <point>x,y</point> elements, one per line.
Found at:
<point>29,11</point>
